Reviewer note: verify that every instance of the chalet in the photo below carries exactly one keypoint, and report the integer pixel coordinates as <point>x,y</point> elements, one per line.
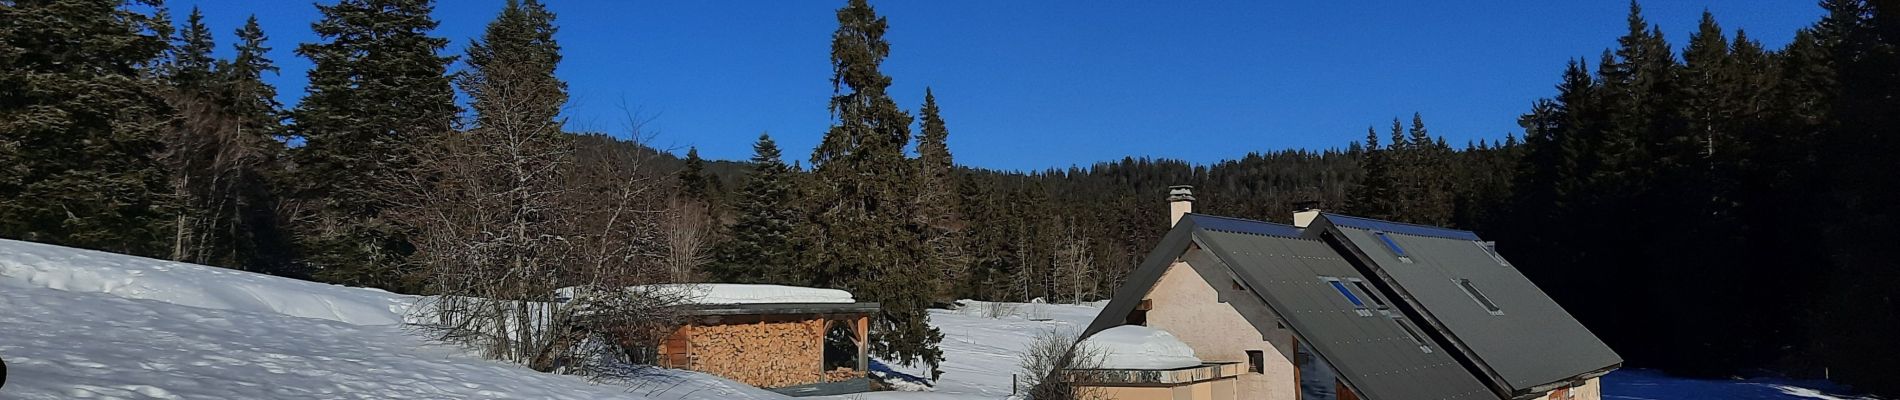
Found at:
<point>1342,307</point>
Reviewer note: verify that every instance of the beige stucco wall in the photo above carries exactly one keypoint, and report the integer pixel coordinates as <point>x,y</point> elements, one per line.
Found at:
<point>1188,306</point>
<point>1218,389</point>
<point>1590,390</point>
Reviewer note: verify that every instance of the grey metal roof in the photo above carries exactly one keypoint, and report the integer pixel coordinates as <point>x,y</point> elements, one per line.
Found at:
<point>1529,345</point>
<point>1372,353</point>
<point>1399,227</point>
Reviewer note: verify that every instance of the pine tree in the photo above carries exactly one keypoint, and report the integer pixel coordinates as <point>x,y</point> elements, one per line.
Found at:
<point>760,248</point>
<point>866,238</point>
<point>376,87</point>
<point>937,209</point>
<point>78,152</point>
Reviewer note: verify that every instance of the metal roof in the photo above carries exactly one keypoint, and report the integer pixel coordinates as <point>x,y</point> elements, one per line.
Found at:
<point>1530,344</point>
<point>1238,225</point>
<point>1399,227</point>
<point>1371,352</point>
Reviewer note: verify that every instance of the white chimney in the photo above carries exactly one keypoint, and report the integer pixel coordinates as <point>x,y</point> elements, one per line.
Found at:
<point>1180,202</point>
<point>1305,216</point>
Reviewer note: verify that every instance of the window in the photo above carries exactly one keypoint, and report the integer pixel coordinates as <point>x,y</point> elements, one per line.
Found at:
<point>1412,333</point>
<point>1472,291</point>
<point>1256,361</point>
<point>1373,294</point>
<point>1393,246</point>
<point>1343,291</point>
<point>1357,304</point>
<point>1491,248</point>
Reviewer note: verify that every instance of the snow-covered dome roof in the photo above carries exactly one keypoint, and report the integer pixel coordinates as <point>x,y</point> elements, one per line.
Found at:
<point>1140,347</point>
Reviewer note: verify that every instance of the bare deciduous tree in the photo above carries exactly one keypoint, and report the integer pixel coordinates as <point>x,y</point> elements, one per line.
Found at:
<point>1051,355</point>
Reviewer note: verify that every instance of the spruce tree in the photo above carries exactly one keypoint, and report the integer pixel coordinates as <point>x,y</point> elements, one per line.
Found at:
<point>251,99</point>
<point>692,178</point>
<point>938,212</point>
<point>760,247</point>
<point>83,126</point>
<point>191,54</point>
<point>377,86</point>
<point>865,236</point>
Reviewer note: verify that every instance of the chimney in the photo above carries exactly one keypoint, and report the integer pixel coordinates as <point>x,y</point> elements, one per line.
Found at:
<point>1180,202</point>
<point>1308,210</point>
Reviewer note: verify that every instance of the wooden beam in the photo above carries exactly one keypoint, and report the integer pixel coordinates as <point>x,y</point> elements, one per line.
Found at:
<point>864,343</point>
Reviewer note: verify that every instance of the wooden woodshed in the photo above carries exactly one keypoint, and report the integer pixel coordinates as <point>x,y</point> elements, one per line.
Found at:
<point>780,346</point>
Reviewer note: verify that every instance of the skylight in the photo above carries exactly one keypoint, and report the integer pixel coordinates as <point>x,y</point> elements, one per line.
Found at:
<point>1341,286</point>
<point>1480,297</point>
<point>1393,246</point>
<point>1412,333</point>
<point>1367,289</point>
<point>1357,304</point>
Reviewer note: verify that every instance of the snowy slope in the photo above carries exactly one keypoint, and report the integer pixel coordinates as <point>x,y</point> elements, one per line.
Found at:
<point>86,324</point>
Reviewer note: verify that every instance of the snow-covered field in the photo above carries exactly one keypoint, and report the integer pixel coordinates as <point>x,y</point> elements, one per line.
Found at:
<point>77,324</point>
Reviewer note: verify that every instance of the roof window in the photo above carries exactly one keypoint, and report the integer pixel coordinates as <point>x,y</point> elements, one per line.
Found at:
<point>1357,304</point>
<point>1472,291</point>
<point>1412,333</point>
<point>1373,294</point>
<point>1393,246</point>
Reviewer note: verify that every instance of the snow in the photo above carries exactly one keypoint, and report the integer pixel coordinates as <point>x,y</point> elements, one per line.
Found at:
<point>733,293</point>
<point>1139,347</point>
<point>736,293</point>
<point>86,324</point>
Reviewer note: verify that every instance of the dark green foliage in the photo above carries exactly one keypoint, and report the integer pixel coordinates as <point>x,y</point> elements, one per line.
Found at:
<point>863,232</point>
<point>83,126</point>
<point>377,86</point>
<point>936,203</point>
<point>692,179</point>
<point>760,247</point>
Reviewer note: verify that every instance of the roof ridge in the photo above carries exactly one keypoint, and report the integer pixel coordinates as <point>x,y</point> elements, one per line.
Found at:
<point>1395,222</point>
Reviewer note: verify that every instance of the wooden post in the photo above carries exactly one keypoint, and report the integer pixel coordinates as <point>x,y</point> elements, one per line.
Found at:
<point>864,357</point>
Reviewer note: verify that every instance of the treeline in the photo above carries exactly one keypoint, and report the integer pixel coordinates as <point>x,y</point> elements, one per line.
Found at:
<point>1725,207</point>
<point>120,131</point>
<point>1711,211</point>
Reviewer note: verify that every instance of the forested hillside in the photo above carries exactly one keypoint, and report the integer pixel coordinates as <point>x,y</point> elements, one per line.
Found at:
<point>1723,208</point>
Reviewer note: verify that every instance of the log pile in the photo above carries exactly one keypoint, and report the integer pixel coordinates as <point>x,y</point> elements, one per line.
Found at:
<point>764,354</point>
<point>842,374</point>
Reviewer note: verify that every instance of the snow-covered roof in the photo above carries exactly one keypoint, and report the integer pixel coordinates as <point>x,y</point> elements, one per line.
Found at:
<point>1140,347</point>
<point>736,293</point>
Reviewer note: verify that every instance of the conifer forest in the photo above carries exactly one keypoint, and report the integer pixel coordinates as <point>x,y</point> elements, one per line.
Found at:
<point>1716,209</point>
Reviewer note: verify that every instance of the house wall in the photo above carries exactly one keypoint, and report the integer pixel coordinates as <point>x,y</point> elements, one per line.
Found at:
<point>1218,389</point>
<point>1589,390</point>
<point>1188,306</point>
<point>758,351</point>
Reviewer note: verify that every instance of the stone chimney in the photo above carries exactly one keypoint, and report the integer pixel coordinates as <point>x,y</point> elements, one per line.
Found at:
<point>1308,211</point>
<point>1180,202</point>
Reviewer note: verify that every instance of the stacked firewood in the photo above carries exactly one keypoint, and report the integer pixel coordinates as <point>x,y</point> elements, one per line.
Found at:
<point>763,354</point>
<point>842,374</point>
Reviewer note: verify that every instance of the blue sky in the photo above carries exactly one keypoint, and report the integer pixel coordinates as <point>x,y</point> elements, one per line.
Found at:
<point>1041,84</point>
